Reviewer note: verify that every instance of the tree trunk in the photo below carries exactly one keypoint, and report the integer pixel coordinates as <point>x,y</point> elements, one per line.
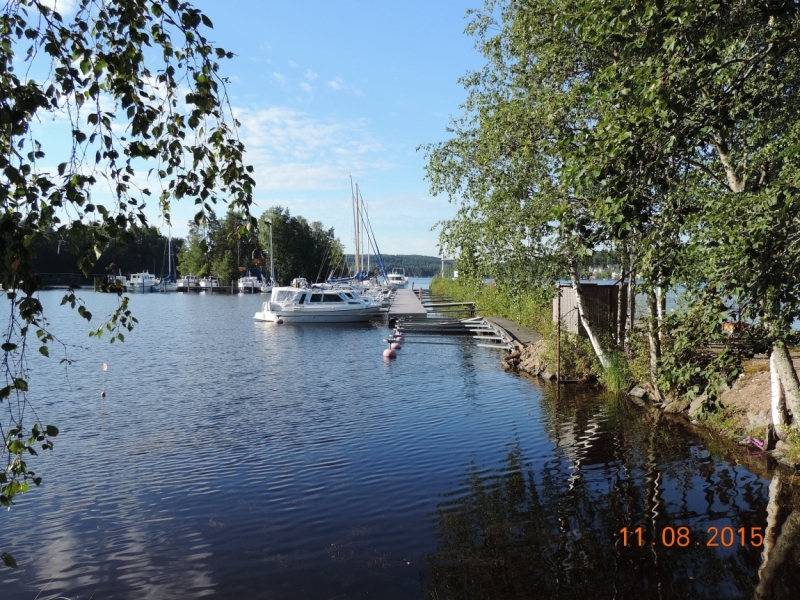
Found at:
<point>780,418</point>
<point>587,325</point>
<point>654,339</point>
<point>661,294</point>
<point>788,381</point>
<point>631,299</point>
<point>622,311</point>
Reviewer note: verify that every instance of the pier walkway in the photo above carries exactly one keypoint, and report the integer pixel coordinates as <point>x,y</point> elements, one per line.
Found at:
<point>406,304</point>
<point>523,335</point>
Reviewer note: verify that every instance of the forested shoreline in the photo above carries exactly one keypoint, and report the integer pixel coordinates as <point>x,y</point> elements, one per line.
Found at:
<point>215,247</point>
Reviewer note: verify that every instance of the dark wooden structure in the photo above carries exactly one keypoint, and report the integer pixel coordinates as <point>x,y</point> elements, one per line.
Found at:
<point>600,302</point>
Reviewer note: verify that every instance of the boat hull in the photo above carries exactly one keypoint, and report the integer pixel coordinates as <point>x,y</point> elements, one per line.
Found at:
<point>139,288</point>
<point>291,316</point>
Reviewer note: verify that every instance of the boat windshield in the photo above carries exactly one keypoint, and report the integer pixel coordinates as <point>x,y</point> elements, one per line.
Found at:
<point>284,296</point>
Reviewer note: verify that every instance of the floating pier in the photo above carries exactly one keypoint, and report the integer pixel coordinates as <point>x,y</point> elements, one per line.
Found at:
<point>406,304</point>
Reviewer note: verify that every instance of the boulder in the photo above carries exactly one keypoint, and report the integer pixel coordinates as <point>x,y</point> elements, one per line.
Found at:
<point>638,392</point>
<point>638,401</point>
<point>696,405</point>
<point>676,406</point>
<point>547,375</point>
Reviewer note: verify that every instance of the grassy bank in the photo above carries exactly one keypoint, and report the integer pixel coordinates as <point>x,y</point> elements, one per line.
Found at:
<point>577,357</point>
<point>491,300</point>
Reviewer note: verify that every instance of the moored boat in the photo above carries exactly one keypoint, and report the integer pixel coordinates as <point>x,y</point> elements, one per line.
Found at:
<point>317,305</point>
<point>397,279</point>
<point>210,282</point>
<point>188,282</point>
<point>142,282</point>
<point>251,282</point>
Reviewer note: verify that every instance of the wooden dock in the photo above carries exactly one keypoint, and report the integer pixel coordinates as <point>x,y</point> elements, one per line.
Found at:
<point>523,335</point>
<point>406,304</point>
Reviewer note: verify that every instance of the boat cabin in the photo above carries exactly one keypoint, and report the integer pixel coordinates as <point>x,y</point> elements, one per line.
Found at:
<point>287,296</point>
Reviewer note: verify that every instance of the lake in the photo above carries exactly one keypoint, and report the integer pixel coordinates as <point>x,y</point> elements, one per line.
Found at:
<point>234,459</point>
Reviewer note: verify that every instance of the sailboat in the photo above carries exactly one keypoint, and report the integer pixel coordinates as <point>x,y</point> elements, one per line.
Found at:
<point>169,283</point>
<point>266,286</point>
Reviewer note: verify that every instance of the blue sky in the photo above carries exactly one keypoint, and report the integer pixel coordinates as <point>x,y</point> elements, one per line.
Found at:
<point>325,90</point>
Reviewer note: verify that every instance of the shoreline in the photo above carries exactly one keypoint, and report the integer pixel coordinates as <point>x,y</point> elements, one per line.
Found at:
<point>745,416</point>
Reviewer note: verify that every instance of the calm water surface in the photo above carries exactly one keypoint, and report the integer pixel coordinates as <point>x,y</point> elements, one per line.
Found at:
<point>236,459</point>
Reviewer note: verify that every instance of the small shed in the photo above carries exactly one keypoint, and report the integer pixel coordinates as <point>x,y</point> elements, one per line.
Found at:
<point>601,301</point>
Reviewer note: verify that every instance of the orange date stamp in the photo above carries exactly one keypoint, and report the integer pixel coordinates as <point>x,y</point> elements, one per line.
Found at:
<point>715,537</point>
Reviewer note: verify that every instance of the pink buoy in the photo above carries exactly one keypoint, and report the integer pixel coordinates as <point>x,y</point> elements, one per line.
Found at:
<point>389,354</point>
<point>396,346</point>
<point>279,321</point>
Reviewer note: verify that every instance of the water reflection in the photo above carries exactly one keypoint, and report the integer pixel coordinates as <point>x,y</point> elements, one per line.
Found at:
<point>247,461</point>
<point>551,528</point>
<point>779,573</point>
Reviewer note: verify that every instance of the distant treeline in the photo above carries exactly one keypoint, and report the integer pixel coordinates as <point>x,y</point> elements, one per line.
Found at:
<point>215,247</point>
<point>415,265</point>
<point>147,251</point>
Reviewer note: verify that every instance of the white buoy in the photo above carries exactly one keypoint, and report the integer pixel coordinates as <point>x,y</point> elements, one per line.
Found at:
<point>389,354</point>
<point>396,346</point>
<point>103,394</point>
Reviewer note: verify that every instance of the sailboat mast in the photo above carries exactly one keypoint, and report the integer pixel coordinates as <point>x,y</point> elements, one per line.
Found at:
<point>355,228</point>
<point>271,262</point>
<point>358,232</point>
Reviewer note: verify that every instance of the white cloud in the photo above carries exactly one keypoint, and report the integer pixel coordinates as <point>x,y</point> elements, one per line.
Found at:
<point>279,77</point>
<point>292,64</point>
<point>310,75</point>
<point>306,87</point>
<point>337,83</point>
<point>65,7</point>
<point>291,150</point>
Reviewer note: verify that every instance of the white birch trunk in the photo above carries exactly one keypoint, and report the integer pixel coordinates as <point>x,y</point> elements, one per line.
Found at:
<point>661,297</point>
<point>622,312</point>
<point>789,383</point>
<point>778,400</point>
<point>587,325</point>
<point>653,336</point>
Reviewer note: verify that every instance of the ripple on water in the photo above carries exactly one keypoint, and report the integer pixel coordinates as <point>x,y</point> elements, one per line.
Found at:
<point>236,459</point>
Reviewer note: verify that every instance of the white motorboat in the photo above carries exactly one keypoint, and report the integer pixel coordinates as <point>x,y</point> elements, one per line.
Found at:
<point>248,284</point>
<point>188,282</point>
<point>397,279</point>
<point>251,282</point>
<point>142,282</point>
<point>317,305</point>
<point>208,283</point>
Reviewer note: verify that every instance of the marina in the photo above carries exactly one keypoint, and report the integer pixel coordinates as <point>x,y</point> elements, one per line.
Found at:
<point>350,487</point>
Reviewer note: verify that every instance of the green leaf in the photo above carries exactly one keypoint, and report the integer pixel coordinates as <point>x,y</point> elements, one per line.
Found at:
<point>51,430</point>
<point>44,351</point>
<point>8,560</point>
